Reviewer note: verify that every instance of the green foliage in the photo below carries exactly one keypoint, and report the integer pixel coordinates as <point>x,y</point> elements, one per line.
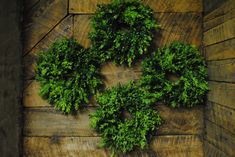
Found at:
<point>125,134</point>
<point>179,59</point>
<point>122,31</point>
<point>67,74</point>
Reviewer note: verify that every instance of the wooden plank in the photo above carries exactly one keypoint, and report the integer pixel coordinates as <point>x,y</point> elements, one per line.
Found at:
<point>42,18</point>
<point>223,50</point>
<point>64,29</point>
<point>161,146</point>
<point>210,150</point>
<point>222,70</point>
<point>48,122</point>
<point>220,137</point>
<point>220,33</point>
<point>185,27</point>
<point>89,6</point>
<point>225,12</point>
<point>222,93</point>
<point>220,115</point>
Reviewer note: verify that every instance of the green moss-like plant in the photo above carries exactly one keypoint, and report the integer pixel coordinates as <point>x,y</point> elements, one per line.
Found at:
<point>120,133</point>
<point>183,61</point>
<point>122,31</point>
<point>68,75</point>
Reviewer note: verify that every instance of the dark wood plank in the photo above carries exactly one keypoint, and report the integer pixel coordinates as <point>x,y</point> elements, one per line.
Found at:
<point>49,122</point>
<point>64,29</point>
<point>222,70</point>
<point>220,137</point>
<point>220,115</point>
<point>222,93</point>
<point>211,150</point>
<point>223,50</point>
<point>220,33</point>
<point>89,6</point>
<point>223,13</point>
<point>161,146</point>
<point>41,19</point>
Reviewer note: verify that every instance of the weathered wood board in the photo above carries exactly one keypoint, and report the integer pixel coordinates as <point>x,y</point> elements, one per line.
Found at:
<point>211,150</point>
<point>220,51</point>
<point>223,70</point>
<point>49,122</point>
<point>161,146</point>
<point>90,6</point>
<point>220,15</point>
<point>221,116</point>
<point>41,19</point>
<point>220,33</point>
<point>222,93</point>
<point>220,137</point>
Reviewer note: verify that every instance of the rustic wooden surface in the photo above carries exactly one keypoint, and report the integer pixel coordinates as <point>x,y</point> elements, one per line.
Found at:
<point>89,6</point>
<point>223,70</point>
<point>220,51</point>
<point>49,133</point>
<point>48,122</point>
<point>221,115</point>
<point>41,19</point>
<point>161,146</point>
<point>211,150</point>
<point>220,137</point>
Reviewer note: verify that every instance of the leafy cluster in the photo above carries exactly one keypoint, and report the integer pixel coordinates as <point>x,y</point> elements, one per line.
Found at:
<point>122,31</point>
<point>125,133</point>
<point>67,74</point>
<point>179,59</point>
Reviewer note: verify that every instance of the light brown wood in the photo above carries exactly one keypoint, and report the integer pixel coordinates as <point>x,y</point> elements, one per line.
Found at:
<point>211,150</point>
<point>223,50</point>
<point>223,70</point>
<point>90,6</point>
<point>49,122</point>
<point>220,137</point>
<point>41,19</point>
<point>64,29</point>
<point>221,116</point>
<point>222,93</point>
<point>220,33</point>
<point>220,15</point>
<point>161,146</point>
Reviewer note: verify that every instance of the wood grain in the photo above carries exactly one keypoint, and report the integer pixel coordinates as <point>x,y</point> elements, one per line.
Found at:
<point>221,116</point>
<point>48,122</point>
<point>211,150</point>
<point>220,33</point>
<point>90,6</point>
<point>41,19</point>
<point>223,50</point>
<point>64,29</point>
<point>220,15</point>
<point>222,93</point>
<point>161,146</point>
<point>223,70</point>
<point>220,137</point>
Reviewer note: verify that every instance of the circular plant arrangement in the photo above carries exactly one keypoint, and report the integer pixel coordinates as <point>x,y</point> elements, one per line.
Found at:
<point>186,63</point>
<point>125,118</point>
<point>67,74</point>
<point>122,31</point>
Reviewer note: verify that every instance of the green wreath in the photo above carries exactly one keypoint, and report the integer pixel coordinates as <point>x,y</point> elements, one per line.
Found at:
<point>67,75</point>
<point>178,59</point>
<point>122,31</point>
<point>134,131</point>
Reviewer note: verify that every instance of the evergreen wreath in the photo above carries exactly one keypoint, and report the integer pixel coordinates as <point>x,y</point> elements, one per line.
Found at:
<point>67,74</point>
<point>133,131</point>
<point>179,59</point>
<point>122,31</point>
